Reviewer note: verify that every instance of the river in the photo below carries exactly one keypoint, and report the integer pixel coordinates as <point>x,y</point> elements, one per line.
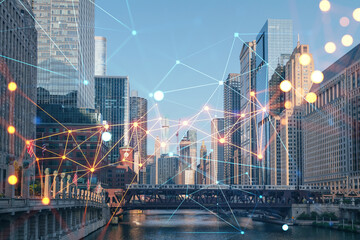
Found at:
<point>201,225</point>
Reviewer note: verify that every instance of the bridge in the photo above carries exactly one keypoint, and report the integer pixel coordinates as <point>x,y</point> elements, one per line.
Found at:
<point>148,197</point>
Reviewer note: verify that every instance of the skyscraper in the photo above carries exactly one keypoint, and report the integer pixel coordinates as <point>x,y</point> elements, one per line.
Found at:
<point>231,123</point>
<point>100,56</point>
<point>274,39</point>
<point>203,178</point>
<point>157,156</point>
<point>185,159</point>
<point>66,49</point>
<point>19,43</point>
<point>112,100</point>
<point>217,132</point>
<point>138,114</point>
<point>248,129</point>
<point>165,136</point>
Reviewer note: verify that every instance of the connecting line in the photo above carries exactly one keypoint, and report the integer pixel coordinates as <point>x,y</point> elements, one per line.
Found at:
<point>166,75</point>
<point>176,209</point>
<point>130,15</point>
<point>204,74</point>
<point>229,207</point>
<point>119,48</point>
<point>227,62</point>
<point>174,176</point>
<point>252,213</point>
<point>188,88</point>
<point>215,214</point>
<point>2,1</point>
<point>124,25</point>
<point>48,35</point>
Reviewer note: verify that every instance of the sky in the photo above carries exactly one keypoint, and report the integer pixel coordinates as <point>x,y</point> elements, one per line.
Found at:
<point>200,34</point>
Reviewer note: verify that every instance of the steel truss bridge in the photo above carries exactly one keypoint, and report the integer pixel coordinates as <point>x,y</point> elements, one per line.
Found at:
<point>148,197</point>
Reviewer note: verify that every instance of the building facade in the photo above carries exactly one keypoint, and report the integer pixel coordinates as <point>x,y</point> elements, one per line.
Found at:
<point>217,171</point>
<point>112,100</point>
<point>100,56</point>
<point>65,52</point>
<point>18,40</point>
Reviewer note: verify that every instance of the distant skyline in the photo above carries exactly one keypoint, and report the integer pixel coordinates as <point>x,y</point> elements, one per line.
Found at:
<point>200,34</point>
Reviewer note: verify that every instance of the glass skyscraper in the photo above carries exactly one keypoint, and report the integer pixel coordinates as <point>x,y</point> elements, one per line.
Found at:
<point>274,39</point>
<point>65,52</point>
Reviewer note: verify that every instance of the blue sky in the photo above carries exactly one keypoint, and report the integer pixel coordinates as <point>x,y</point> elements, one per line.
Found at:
<point>200,34</point>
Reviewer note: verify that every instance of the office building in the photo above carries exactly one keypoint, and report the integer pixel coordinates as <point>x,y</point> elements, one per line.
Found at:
<point>16,110</point>
<point>165,136</point>
<point>168,168</point>
<point>100,56</point>
<point>331,127</point>
<point>66,50</point>
<point>112,100</point>
<point>217,161</point>
<point>202,176</point>
<point>231,123</point>
<point>185,159</point>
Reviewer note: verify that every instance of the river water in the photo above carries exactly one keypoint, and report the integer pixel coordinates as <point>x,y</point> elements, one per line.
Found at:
<point>201,225</point>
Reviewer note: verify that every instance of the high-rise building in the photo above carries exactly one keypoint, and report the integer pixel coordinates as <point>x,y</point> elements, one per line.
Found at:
<point>66,50</point>
<point>232,123</point>
<point>165,136</point>
<point>112,100</point>
<point>192,137</point>
<point>203,178</point>
<point>100,56</point>
<point>18,40</point>
<point>217,161</point>
<point>185,159</point>
<point>248,129</point>
<point>157,156</point>
<point>331,127</point>
<point>168,168</point>
<point>299,74</point>
<point>274,39</point>
<point>138,115</point>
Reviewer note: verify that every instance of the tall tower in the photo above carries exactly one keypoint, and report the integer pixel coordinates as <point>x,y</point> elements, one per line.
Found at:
<point>100,56</point>
<point>203,178</point>
<point>157,156</point>
<point>217,132</point>
<point>231,123</point>
<point>66,48</point>
<point>184,160</point>
<point>165,135</point>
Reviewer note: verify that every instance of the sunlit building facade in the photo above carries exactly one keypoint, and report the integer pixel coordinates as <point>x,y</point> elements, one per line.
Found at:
<point>100,56</point>
<point>65,52</point>
<point>217,153</point>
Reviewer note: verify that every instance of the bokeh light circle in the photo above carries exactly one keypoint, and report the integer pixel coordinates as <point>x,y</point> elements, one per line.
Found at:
<point>12,179</point>
<point>288,104</point>
<point>305,59</point>
<point>317,76</point>
<point>222,140</point>
<point>344,21</point>
<point>347,40</point>
<point>324,5</point>
<point>11,129</point>
<point>285,86</point>
<point>311,97</point>
<point>106,136</point>
<point>330,47</point>
<point>45,201</point>
<point>12,86</point>
<point>356,14</point>
<point>158,95</point>
<point>285,227</point>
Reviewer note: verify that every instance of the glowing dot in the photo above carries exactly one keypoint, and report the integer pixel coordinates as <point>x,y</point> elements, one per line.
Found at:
<point>147,132</point>
<point>70,131</point>
<point>305,59</point>
<point>288,105</point>
<point>283,121</point>
<point>311,97</point>
<point>222,140</point>
<point>285,227</point>
<point>11,129</point>
<point>63,157</point>
<point>136,124</point>
<point>92,169</point>
<point>177,62</point>
<point>242,232</point>
<point>260,156</point>
<point>106,136</point>
<point>186,196</point>
<point>356,14</point>
<point>217,182</point>
<point>158,96</point>
<point>27,142</point>
<point>133,32</point>
<point>344,21</point>
<point>317,76</point>
<point>106,126</point>
<point>151,94</point>
<point>285,86</point>
<point>185,123</point>
<point>140,164</point>
<point>324,5</point>
<point>160,118</point>
<point>236,34</point>
<point>37,159</point>
<point>171,154</point>
<point>123,160</point>
<point>260,196</point>
<point>45,201</point>
<point>246,173</point>
<point>242,115</point>
<point>12,86</point>
<point>12,179</point>
<point>206,108</point>
<point>330,47</point>
<point>163,144</point>
<point>86,82</point>
<point>221,82</point>
<point>252,94</point>
<point>347,40</point>
<point>264,109</point>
